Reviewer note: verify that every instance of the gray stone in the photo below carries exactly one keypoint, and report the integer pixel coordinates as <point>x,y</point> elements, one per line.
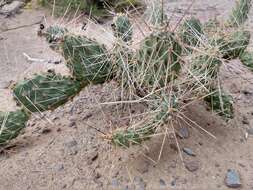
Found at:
<point>72,124</point>
<point>92,157</point>
<point>232,179</point>
<point>115,182</point>
<point>59,167</point>
<point>192,166</point>
<point>71,144</point>
<point>140,184</point>
<point>189,151</point>
<point>245,120</point>
<point>250,131</point>
<point>183,133</point>
<point>162,182</point>
<point>11,8</point>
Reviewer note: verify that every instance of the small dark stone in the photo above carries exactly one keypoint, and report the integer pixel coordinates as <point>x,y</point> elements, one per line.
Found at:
<point>72,124</point>
<point>162,182</point>
<point>245,120</point>
<point>246,92</point>
<point>139,183</point>
<point>71,144</point>
<point>250,131</point>
<point>183,133</point>
<point>46,131</point>
<point>232,179</point>
<point>189,151</point>
<point>92,157</point>
<point>192,166</point>
<point>87,116</point>
<point>173,182</point>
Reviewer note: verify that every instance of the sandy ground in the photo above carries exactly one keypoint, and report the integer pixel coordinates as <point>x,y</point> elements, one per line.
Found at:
<point>67,153</point>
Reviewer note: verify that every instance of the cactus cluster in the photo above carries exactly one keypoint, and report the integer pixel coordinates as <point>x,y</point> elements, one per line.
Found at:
<point>154,72</point>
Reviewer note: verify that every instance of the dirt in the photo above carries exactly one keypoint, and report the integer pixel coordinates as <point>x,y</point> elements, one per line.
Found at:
<point>65,148</point>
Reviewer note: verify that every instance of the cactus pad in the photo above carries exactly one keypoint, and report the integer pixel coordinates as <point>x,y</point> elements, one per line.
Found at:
<point>122,27</point>
<point>240,12</point>
<point>247,59</point>
<point>159,58</point>
<point>87,59</point>
<point>11,123</point>
<point>233,45</point>
<point>45,92</point>
<point>191,32</point>
<point>221,103</point>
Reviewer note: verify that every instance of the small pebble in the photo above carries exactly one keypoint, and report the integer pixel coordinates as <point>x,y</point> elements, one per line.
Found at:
<point>192,166</point>
<point>250,131</point>
<point>162,182</point>
<point>183,133</point>
<point>232,179</point>
<point>189,151</point>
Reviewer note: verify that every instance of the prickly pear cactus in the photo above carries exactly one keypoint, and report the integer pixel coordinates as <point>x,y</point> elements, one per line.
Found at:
<point>159,58</point>
<point>247,59</point>
<point>240,13</point>
<point>45,92</point>
<point>234,44</point>
<point>191,32</point>
<point>11,124</point>
<point>87,60</point>
<point>155,15</point>
<point>221,103</point>
<point>55,34</point>
<point>122,27</point>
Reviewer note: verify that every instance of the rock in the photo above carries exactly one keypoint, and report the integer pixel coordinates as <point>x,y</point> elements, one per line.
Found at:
<point>11,8</point>
<point>232,179</point>
<point>140,184</point>
<point>115,182</point>
<point>59,167</point>
<point>245,120</point>
<point>173,182</point>
<point>162,182</point>
<point>46,131</point>
<point>72,124</point>
<point>71,144</point>
<point>92,157</point>
<point>87,116</point>
<point>250,131</point>
<point>246,92</point>
<point>183,133</point>
<point>189,151</point>
<point>192,166</point>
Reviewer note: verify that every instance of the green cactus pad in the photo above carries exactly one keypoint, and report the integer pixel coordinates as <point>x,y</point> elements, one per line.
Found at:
<point>136,136</point>
<point>221,103</point>
<point>240,13</point>
<point>122,27</point>
<point>247,59</point>
<point>155,15</point>
<point>11,124</point>
<point>191,32</point>
<point>45,92</point>
<point>233,45</point>
<point>158,58</point>
<point>55,33</point>
<point>206,65</point>
<point>87,59</point>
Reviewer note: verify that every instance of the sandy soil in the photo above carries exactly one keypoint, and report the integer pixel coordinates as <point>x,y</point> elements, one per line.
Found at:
<point>67,153</point>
